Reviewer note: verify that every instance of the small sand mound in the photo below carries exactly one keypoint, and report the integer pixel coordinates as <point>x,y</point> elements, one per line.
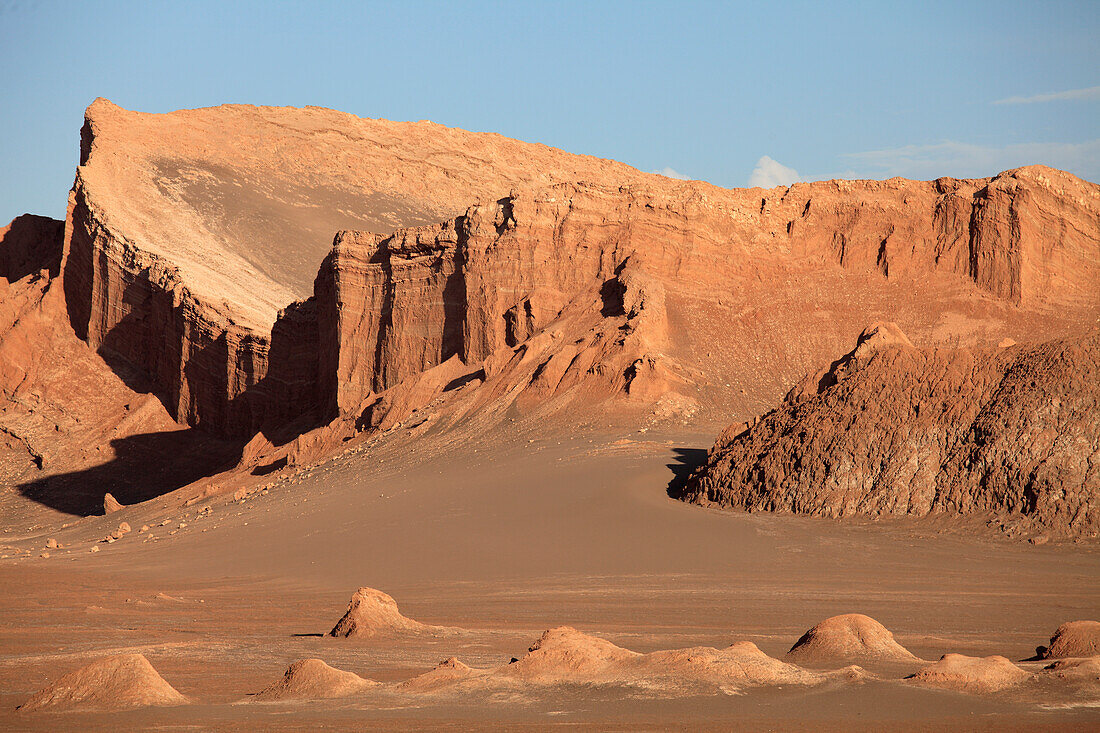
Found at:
<point>312,679</point>
<point>564,654</point>
<point>1087,667</point>
<point>373,613</point>
<point>119,682</point>
<point>971,674</point>
<point>739,665</point>
<point>850,638</point>
<point>447,673</point>
<point>1073,639</point>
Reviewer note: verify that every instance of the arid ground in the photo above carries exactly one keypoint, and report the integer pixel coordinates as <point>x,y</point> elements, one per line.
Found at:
<point>549,442</point>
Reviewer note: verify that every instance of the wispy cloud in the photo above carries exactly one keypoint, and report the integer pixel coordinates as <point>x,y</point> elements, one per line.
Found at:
<point>670,173</point>
<point>770,173</point>
<point>965,160</point>
<point>1068,95</point>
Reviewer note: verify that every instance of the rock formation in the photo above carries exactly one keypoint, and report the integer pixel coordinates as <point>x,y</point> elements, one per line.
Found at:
<point>848,639</point>
<point>175,263</point>
<point>971,674</point>
<point>1073,639</point>
<point>312,679</point>
<point>112,683</point>
<point>373,613</point>
<point>193,239</point>
<point>890,429</point>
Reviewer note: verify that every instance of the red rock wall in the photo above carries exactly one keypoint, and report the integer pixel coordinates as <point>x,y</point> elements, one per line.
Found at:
<point>391,307</point>
<point>209,371</point>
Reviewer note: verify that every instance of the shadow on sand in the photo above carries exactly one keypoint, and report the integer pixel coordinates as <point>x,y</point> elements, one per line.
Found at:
<point>687,460</point>
<point>144,467</point>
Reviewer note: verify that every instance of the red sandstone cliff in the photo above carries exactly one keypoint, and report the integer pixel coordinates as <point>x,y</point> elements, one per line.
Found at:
<point>567,278</point>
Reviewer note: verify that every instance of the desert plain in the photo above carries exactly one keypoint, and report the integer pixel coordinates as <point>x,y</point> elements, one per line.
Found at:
<point>313,421</point>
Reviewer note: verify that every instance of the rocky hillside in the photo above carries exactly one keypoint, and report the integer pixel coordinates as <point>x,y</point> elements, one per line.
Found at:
<point>440,258</point>
<point>890,429</point>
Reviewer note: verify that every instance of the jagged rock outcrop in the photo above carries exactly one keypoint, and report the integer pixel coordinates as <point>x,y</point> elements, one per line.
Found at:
<point>890,429</point>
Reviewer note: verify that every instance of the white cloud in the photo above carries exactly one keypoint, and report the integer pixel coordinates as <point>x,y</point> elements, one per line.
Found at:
<point>1069,94</point>
<point>670,173</point>
<point>770,173</point>
<point>963,160</point>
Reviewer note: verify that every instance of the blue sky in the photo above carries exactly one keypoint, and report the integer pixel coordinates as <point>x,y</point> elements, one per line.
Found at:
<point>725,92</point>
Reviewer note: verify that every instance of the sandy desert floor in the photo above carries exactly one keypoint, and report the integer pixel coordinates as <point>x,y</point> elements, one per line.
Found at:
<point>506,537</point>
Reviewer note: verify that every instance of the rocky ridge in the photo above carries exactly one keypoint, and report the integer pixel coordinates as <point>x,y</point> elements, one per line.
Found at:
<point>890,429</point>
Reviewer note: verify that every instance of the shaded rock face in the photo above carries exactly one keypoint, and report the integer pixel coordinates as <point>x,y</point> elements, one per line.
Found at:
<point>850,639</point>
<point>896,430</point>
<point>120,682</point>
<point>1073,639</point>
<point>190,234</point>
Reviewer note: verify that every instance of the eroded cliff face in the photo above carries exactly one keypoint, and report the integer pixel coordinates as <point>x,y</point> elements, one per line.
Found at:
<point>588,261</point>
<point>158,276</point>
<point>890,429</point>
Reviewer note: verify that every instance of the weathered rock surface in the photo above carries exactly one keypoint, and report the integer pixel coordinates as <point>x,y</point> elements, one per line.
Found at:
<point>1073,639</point>
<point>890,429</point>
<point>470,260</point>
<point>374,613</point>
<point>120,682</point>
<point>852,639</point>
<point>971,674</point>
<point>191,233</point>
<point>312,679</point>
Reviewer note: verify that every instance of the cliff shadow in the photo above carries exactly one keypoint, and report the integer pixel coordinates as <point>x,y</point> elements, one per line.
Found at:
<point>144,467</point>
<point>31,244</point>
<point>686,461</point>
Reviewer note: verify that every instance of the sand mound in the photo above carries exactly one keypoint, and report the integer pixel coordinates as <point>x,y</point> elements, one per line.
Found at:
<point>852,638</point>
<point>113,683</point>
<point>446,674</point>
<point>1072,639</point>
<point>374,613</point>
<point>1082,675</point>
<point>971,674</point>
<point>312,679</point>
<point>565,655</point>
